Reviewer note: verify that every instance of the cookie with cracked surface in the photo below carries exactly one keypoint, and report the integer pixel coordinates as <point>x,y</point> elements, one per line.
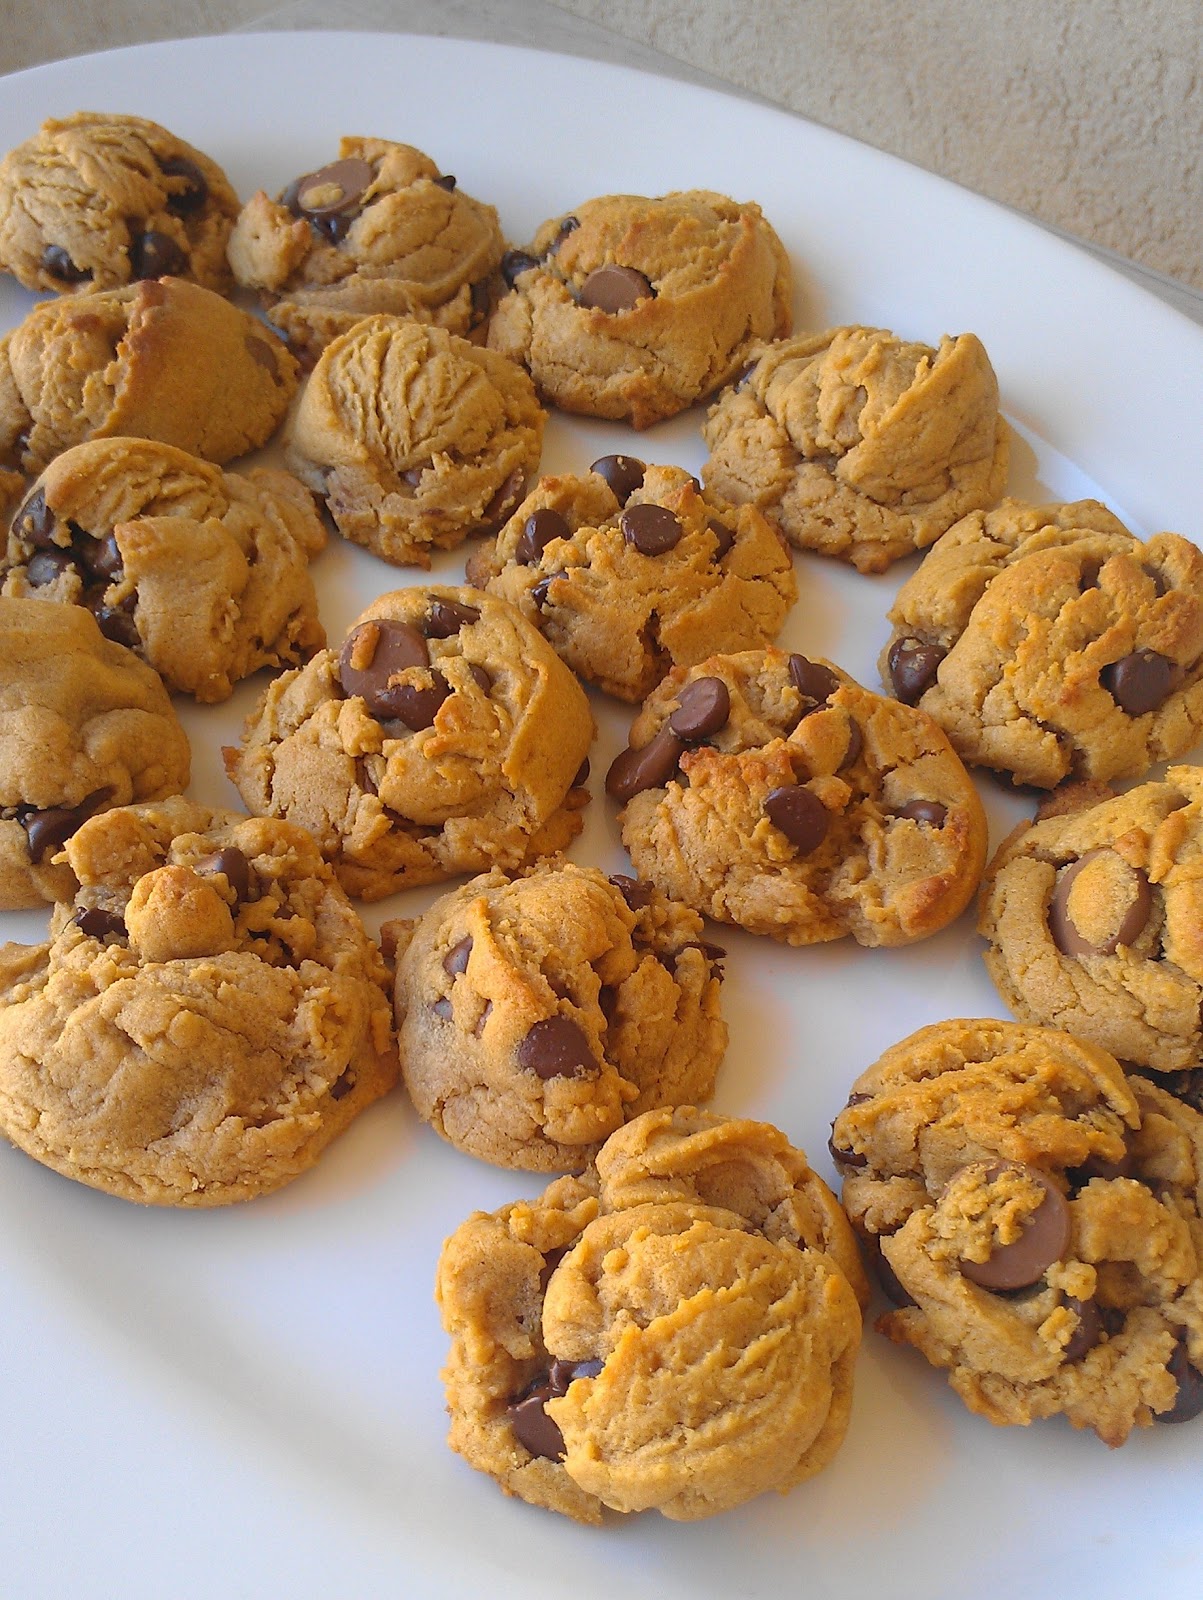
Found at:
<point>379,229</point>
<point>634,308</point>
<point>162,359</point>
<point>1052,644</point>
<point>415,437</point>
<point>772,791</point>
<point>443,736</point>
<point>84,726</point>
<point>203,572</point>
<point>584,1325</point>
<point>859,444</point>
<point>1038,1218</point>
<point>96,201</point>
<point>203,1020</point>
<point>536,1014</point>
<point>1092,921</point>
<point>629,570</point>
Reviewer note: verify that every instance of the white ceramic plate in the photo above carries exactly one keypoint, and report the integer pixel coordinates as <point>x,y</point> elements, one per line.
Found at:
<point>247,1402</point>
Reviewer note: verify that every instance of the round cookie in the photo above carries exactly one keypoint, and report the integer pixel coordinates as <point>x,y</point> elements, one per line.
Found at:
<point>204,1019</point>
<point>629,571</point>
<point>585,1325</point>
<point>162,359</point>
<point>772,791</point>
<point>859,444</point>
<point>415,437</point>
<point>1037,1217</point>
<point>380,229</point>
<point>95,201</point>
<point>205,573</point>
<point>443,736</point>
<point>1050,643</point>
<point>536,1015</point>
<point>1094,920</point>
<point>635,308</point>
<point>84,725</point>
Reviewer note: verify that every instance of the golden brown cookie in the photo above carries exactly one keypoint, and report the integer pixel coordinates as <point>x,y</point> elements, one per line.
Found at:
<point>415,437</point>
<point>771,791</point>
<point>1037,1217</point>
<point>95,201</point>
<point>635,308</point>
<point>380,229</point>
<point>204,1019</point>
<point>536,1014</point>
<point>674,1330</point>
<point>163,360</point>
<point>84,726</point>
<point>1050,643</point>
<point>859,444</point>
<point>204,573</point>
<point>443,736</point>
<point>629,571</point>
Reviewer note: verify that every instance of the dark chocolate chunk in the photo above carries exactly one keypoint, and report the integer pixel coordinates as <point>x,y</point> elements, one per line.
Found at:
<point>652,765</point>
<point>613,289</point>
<point>634,891</point>
<point>194,191</point>
<point>928,813</point>
<point>1188,1402</point>
<point>447,617</point>
<point>514,263</point>
<point>59,264</point>
<point>47,830</point>
<point>703,707</point>
<point>94,922</point>
<point>801,816</point>
<point>624,474</point>
<point>556,1047</point>
<point>1142,681</point>
<point>652,529</point>
<point>912,667</point>
<point>533,1428</point>
<point>1044,1240</point>
<point>397,647</point>
<point>456,959</point>
<point>156,255</point>
<point>233,866</point>
<point>813,681</point>
<point>539,529</point>
<point>1066,936</point>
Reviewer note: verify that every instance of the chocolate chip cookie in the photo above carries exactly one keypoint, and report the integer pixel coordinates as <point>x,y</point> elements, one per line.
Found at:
<point>84,725</point>
<point>1052,644</point>
<point>634,308</point>
<point>859,444</point>
<point>203,1020</point>
<point>443,736</point>
<point>95,201</point>
<point>161,359</point>
<point>1037,1219</point>
<point>629,570</point>
<point>415,437</point>
<point>675,1329</point>
<point>380,229</point>
<point>204,573</point>
<point>535,1015</point>
<point>771,791</point>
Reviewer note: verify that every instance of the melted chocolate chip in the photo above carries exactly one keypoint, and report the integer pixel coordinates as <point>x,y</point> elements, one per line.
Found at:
<point>156,255</point>
<point>703,707</point>
<point>1044,1240</point>
<point>556,1047</point>
<point>514,263</point>
<point>456,959</point>
<point>652,529</point>
<point>928,813</point>
<point>189,199</point>
<point>634,891</point>
<point>800,815</point>
<point>813,681</point>
<point>538,531</point>
<point>723,537</point>
<point>96,923</point>
<point>1088,1332</point>
<point>59,264</point>
<point>233,866</point>
<point>1065,934</point>
<point>912,667</point>
<point>649,767</point>
<point>624,474</point>
<point>1141,682</point>
<point>395,647</point>
<point>45,566</point>
<point>613,289</point>
<point>1188,1402</point>
<point>533,1428</point>
<point>446,617</point>
<point>46,831</point>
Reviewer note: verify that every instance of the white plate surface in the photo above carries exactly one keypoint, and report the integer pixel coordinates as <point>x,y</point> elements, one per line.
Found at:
<point>246,1402</point>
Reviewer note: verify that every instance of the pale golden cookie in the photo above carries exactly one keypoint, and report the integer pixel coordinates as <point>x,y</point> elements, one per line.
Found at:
<point>204,1019</point>
<point>84,726</point>
<point>1038,1222</point>
<point>380,229</point>
<point>163,360</point>
<point>204,573</point>
<point>536,1015</point>
<point>683,1351</point>
<point>635,308</point>
<point>443,736</point>
<point>95,201</point>
<point>415,437</point>
<point>772,791</point>
<point>859,444</point>
<point>629,571</point>
<point>1050,643</point>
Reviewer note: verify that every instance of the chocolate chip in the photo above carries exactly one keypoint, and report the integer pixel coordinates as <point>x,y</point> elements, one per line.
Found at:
<point>1088,578</point>
<point>723,537</point>
<point>483,682</point>
<point>1188,1402</point>
<point>634,891</point>
<point>813,681</point>
<point>156,255</point>
<point>116,622</point>
<point>342,1085</point>
<point>47,830</point>
<point>260,351</point>
<point>414,475</point>
<point>912,666</point>
<point>801,816</point>
<point>503,504</point>
<point>1096,1167</point>
<point>45,566</point>
<point>928,813</point>
<point>745,377</point>
<point>1157,579</point>
<point>442,1008</point>
<point>1141,682</point>
<point>447,181</point>
<point>613,289</point>
<point>59,264</point>
<point>842,1157</point>
<point>34,522</point>
<point>447,617</point>
<point>624,474</point>
<point>856,743</point>
<point>1088,1332</point>
<point>539,593</point>
<point>233,866</point>
<point>539,529</point>
<point>189,199</point>
<point>456,959</point>
<point>567,225</point>
<point>94,922</point>
<point>891,1284</point>
<point>346,180</point>
<point>1044,1240</point>
<point>607,999</point>
<point>649,767</point>
<point>582,775</point>
<point>514,263</point>
<point>417,705</point>
<point>556,1047</point>
<point>652,529</point>
<point>533,1428</point>
<point>100,557</point>
<point>1065,934</point>
<point>394,647</point>
<point>703,707</point>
